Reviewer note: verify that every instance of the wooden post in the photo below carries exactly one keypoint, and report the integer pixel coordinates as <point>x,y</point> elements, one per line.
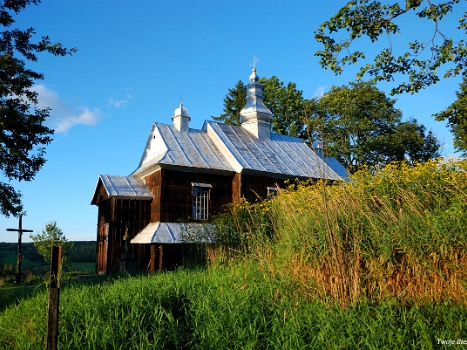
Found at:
<point>152,265</point>
<point>54,297</point>
<point>161,257</point>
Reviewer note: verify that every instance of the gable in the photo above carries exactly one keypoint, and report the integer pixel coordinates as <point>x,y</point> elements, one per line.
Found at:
<point>100,194</point>
<point>166,146</point>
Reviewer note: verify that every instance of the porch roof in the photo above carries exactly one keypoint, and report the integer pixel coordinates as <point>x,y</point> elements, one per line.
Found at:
<point>126,187</point>
<point>174,233</point>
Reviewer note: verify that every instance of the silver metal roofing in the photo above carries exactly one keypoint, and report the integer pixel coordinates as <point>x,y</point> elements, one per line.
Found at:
<point>254,101</point>
<point>174,233</point>
<point>231,148</point>
<point>192,149</point>
<point>222,147</point>
<point>127,187</point>
<point>278,155</point>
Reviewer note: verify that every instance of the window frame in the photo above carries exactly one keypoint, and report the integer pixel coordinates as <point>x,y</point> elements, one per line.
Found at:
<point>200,201</point>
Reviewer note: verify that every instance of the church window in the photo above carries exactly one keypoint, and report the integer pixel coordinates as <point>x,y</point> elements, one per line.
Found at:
<point>200,205</point>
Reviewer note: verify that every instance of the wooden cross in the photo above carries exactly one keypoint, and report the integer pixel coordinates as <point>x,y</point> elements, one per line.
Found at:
<point>255,60</point>
<point>20,231</point>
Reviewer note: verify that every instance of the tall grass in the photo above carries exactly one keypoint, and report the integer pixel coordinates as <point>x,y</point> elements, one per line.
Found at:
<point>396,232</point>
<point>223,308</point>
<point>376,262</point>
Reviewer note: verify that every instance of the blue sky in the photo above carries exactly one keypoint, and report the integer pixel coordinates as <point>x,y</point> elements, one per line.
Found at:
<point>135,61</point>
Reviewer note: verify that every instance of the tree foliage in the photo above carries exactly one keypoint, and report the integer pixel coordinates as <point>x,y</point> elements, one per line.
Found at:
<point>360,125</point>
<point>360,18</point>
<point>234,102</point>
<point>456,117</point>
<point>51,236</point>
<point>23,135</point>
<point>285,102</point>
<point>424,59</point>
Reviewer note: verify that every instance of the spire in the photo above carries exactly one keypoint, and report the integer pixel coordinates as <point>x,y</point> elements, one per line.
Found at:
<point>181,118</point>
<point>255,115</point>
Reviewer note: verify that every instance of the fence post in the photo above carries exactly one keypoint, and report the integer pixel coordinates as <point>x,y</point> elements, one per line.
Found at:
<point>54,297</point>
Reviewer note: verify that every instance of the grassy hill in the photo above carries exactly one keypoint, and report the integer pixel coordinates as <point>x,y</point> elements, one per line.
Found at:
<point>375,262</point>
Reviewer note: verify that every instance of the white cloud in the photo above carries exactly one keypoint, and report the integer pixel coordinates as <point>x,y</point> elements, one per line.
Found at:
<point>319,91</point>
<point>120,103</point>
<point>63,116</point>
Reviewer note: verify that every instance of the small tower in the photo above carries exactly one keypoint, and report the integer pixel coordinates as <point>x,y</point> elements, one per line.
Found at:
<point>319,149</point>
<point>255,116</point>
<point>181,118</point>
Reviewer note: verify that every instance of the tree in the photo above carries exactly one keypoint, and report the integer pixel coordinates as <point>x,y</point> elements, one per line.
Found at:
<point>374,19</point>
<point>285,102</point>
<point>359,125</point>
<point>51,236</point>
<point>456,116</point>
<point>233,104</point>
<point>23,134</point>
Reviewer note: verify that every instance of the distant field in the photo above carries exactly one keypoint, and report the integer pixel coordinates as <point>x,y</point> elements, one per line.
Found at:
<point>9,257</point>
<point>85,266</point>
<point>81,256</point>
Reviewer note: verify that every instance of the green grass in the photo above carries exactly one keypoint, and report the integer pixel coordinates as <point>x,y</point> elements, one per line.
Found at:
<point>88,267</point>
<point>223,309</point>
<point>11,296</point>
<point>375,263</point>
<point>9,257</point>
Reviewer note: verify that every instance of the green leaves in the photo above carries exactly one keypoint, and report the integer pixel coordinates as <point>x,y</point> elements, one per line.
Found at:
<point>358,123</point>
<point>233,104</point>
<point>360,126</point>
<point>456,117</point>
<point>284,101</point>
<point>373,19</point>
<point>23,134</point>
<point>51,236</point>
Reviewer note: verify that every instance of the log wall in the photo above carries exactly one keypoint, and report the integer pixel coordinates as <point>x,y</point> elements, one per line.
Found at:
<point>172,191</point>
<point>114,214</point>
<point>254,187</point>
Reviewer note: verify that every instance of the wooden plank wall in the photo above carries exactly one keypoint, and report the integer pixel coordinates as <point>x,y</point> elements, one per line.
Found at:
<point>172,191</point>
<point>154,183</point>
<point>236,187</point>
<point>254,187</point>
<point>117,213</point>
<point>159,257</point>
<point>104,216</point>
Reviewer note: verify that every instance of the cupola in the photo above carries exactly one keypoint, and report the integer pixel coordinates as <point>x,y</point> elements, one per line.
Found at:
<point>319,149</point>
<point>254,117</point>
<point>181,118</point>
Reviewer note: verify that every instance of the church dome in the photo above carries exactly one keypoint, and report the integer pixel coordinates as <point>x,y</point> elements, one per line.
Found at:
<point>181,111</point>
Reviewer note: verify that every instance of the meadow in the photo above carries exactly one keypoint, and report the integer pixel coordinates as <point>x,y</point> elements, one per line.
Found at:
<point>375,262</point>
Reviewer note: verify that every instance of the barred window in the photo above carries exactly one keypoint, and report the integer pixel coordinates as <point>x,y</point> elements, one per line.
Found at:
<point>272,192</point>
<point>200,207</point>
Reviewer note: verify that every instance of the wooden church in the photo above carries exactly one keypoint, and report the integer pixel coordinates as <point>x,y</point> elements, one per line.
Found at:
<point>186,175</point>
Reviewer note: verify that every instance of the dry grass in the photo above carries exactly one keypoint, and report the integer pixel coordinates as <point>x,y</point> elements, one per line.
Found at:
<point>397,232</point>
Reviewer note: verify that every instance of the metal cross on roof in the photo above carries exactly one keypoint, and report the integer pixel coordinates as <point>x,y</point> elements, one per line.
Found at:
<point>20,231</point>
<point>255,60</point>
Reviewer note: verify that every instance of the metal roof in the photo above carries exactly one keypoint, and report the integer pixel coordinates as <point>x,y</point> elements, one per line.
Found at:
<point>127,187</point>
<point>231,148</point>
<point>280,154</point>
<point>175,233</point>
<point>193,149</point>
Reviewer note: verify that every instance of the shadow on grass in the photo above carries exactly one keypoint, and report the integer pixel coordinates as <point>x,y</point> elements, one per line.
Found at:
<point>12,296</point>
